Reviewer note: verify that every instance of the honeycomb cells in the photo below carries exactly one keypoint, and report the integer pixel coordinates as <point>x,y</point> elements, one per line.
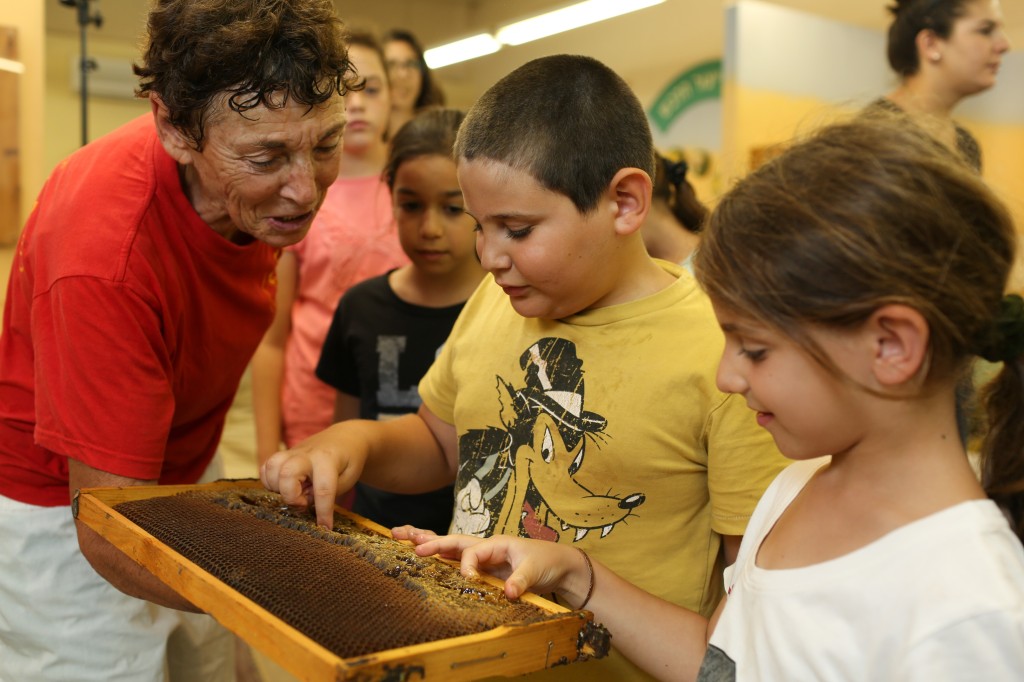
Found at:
<point>352,590</point>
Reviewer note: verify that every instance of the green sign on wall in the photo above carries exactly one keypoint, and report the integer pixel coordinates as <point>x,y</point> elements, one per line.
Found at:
<point>703,81</point>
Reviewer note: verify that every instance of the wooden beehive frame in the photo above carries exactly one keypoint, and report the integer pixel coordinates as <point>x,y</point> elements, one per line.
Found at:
<point>506,650</point>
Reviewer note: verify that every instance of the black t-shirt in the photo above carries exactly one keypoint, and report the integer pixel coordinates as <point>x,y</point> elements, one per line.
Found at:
<point>377,349</point>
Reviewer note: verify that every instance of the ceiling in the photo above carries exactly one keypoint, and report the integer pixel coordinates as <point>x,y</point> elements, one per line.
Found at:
<point>657,39</point>
<point>124,19</point>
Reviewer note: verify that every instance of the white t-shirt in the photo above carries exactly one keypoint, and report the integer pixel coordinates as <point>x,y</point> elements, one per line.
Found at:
<point>605,431</point>
<point>941,598</point>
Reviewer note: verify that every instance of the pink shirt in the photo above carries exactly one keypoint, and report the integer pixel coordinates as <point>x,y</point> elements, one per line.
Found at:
<point>353,238</point>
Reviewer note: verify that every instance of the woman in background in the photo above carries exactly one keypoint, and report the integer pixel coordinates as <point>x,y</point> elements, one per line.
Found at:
<point>412,84</point>
<point>943,52</point>
<point>672,226</point>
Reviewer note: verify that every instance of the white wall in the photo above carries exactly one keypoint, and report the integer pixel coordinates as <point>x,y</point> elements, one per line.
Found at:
<point>770,47</point>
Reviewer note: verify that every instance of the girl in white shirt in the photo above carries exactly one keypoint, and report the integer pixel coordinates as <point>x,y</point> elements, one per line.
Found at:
<point>855,277</point>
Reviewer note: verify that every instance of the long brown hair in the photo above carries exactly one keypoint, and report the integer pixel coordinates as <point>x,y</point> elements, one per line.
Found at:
<point>430,93</point>
<point>429,133</point>
<point>864,214</point>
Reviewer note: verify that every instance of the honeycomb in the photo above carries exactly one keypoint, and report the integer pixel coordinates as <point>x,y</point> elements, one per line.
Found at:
<point>350,589</point>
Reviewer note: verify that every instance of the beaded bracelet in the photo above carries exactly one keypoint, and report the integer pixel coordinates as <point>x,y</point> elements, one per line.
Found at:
<point>590,590</point>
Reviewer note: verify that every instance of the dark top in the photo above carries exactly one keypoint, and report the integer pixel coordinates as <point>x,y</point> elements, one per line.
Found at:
<point>966,145</point>
<point>377,349</point>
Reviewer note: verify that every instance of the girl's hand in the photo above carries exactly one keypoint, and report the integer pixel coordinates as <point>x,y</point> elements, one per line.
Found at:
<point>412,534</point>
<point>524,564</point>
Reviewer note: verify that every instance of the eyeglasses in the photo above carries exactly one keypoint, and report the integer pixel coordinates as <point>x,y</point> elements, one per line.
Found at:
<point>407,65</point>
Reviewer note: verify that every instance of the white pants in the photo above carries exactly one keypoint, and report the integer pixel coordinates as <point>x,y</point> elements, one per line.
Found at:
<point>61,621</point>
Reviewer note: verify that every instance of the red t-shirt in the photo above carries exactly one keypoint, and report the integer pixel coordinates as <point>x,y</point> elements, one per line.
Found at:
<point>127,326</point>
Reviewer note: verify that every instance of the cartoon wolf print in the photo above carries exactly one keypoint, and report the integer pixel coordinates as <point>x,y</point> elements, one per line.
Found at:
<point>523,477</point>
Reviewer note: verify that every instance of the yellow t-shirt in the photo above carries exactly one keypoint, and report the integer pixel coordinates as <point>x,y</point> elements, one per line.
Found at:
<point>605,431</point>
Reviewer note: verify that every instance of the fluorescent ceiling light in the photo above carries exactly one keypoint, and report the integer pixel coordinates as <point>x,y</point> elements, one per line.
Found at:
<point>568,18</point>
<point>461,50</point>
<point>11,65</point>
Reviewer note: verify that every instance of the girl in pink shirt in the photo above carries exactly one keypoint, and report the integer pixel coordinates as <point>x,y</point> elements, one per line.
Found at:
<point>353,238</point>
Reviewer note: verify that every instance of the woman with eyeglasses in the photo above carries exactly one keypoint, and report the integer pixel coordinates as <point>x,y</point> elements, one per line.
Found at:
<point>412,84</point>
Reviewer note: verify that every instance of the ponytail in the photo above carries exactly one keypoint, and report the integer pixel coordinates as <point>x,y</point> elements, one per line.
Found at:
<point>671,185</point>
<point>1003,450</point>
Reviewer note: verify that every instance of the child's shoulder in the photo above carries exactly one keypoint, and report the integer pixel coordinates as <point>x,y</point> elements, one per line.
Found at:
<point>681,307</point>
<point>973,537</point>
<point>787,485</point>
<point>968,555</point>
<point>374,291</point>
<point>680,297</point>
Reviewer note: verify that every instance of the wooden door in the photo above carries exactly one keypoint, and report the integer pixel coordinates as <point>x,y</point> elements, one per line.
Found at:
<point>10,168</point>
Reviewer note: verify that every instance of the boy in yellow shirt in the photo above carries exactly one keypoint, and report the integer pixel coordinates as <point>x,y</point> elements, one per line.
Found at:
<point>645,465</point>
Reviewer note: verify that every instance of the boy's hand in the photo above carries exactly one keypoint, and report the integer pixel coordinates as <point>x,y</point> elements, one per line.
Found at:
<point>316,471</point>
<point>524,564</point>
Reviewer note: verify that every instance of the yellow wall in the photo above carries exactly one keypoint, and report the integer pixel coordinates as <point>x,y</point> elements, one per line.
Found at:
<point>63,106</point>
<point>756,119</point>
<point>47,102</point>
<point>1002,149</point>
<point>28,19</point>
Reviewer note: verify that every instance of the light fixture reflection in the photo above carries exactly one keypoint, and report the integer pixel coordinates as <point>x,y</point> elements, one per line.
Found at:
<point>540,26</point>
<point>11,65</point>
<point>568,18</point>
<point>461,50</point>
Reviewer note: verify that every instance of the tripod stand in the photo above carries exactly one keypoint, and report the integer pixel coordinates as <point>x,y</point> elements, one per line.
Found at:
<point>85,65</point>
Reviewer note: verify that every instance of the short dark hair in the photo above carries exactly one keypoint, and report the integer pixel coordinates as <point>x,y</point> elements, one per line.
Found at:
<point>257,52</point>
<point>430,93</point>
<point>910,17</point>
<point>429,133</point>
<point>370,42</point>
<point>569,121</point>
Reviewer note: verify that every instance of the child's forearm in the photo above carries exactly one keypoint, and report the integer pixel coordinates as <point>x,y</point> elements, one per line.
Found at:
<point>405,457</point>
<point>267,373</point>
<point>664,639</point>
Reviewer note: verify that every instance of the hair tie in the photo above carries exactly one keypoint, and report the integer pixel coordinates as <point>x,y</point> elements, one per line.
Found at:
<point>676,172</point>
<point>590,590</point>
<point>1005,341</point>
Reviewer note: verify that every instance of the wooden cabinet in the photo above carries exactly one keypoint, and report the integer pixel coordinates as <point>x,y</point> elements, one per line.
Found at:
<point>10,166</point>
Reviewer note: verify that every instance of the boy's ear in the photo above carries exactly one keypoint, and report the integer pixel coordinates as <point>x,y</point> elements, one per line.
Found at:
<point>899,336</point>
<point>630,189</point>
<point>176,145</point>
